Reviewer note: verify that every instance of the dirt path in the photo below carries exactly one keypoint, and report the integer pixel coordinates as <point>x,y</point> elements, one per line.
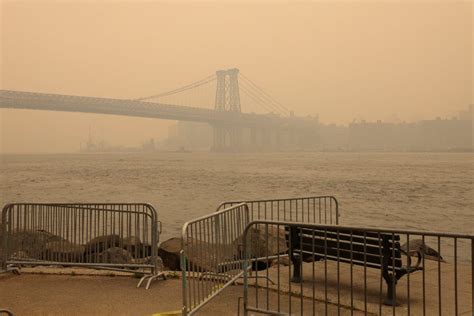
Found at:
<point>35,294</point>
<point>51,294</point>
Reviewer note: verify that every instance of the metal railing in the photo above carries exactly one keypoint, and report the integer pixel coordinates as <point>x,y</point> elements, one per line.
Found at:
<point>343,269</point>
<point>314,210</point>
<point>112,236</point>
<point>211,255</point>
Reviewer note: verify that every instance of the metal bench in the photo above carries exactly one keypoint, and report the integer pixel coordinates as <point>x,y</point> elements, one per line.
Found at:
<point>372,250</point>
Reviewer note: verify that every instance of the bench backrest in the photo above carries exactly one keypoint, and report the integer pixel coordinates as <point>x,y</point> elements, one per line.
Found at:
<point>359,248</point>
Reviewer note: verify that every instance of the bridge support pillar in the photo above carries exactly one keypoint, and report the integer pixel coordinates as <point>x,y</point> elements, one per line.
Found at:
<point>219,141</point>
<point>278,140</point>
<point>253,138</point>
<point>227,138</point>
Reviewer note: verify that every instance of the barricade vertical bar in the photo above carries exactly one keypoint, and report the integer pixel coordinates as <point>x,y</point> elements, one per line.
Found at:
<point>325,211</point>
<point>472,274</point>
<point>352,271</point>
<point>393,280</point>
<point>291,245</point>
<point>330,211</point>
<point>439,277</point>
<point>201,289</point>
<point>456,276</point>
<point>379,239</point>
<point>267,263</point>
<point>338,276</point>
<point>325,269</point>
<point>307,210</point>
<point>184,283</point>
<point>278,208</point>
<point>193,255</point>
<point>278,270</point>
<point>302,270</point>
<point>313,273</point>
<point>365,272</point>
<point>423,279</point>
<point>246,252</point>
<point>209,259</point>
<point>408,276</point>
<point>257,286</point>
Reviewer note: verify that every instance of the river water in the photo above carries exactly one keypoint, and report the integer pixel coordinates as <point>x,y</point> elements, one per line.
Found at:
<point>429,191</point>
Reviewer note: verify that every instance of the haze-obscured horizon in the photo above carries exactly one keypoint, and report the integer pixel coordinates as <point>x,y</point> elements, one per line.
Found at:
<point>344,60</point>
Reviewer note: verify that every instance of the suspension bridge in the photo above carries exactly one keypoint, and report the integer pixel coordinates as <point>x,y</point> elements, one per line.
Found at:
<point>216,99</point>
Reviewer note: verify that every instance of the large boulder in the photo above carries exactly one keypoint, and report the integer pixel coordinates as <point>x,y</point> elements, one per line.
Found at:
<point>169,251</point>
<point>101,243</point>
<point>133,245</point>
<point>210,257</point>
<point>63,251</point>
<point>136,247</point>
<point>265,242</point>
<point>30,243</point>
<point>115,255</point>
<point>201,256</point>
<point>145,250</point>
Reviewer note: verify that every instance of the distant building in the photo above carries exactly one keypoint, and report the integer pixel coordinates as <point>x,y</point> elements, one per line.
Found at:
<point>454,134</point>
<point>467,115</point>
<point>190,136</point>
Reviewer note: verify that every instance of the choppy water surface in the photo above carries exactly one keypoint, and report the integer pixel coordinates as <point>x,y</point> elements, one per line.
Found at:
<point>421,191</point>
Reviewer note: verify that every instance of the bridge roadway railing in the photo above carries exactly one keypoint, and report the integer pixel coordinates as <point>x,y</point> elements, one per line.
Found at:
<point>113,236</point>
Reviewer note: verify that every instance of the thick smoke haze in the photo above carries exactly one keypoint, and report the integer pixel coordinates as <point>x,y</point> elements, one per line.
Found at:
<point>386,60</point>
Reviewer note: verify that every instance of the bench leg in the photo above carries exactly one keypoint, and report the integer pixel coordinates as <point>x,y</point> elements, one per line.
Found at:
<point>295,260</point>
<point>296,269</point>
<point>391,299</point>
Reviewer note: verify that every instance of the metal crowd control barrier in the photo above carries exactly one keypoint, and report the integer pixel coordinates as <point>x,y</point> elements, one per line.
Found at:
<point>211,255</point>
<point>315,209</point>
<point>345,269</point>
<point>112,236</point>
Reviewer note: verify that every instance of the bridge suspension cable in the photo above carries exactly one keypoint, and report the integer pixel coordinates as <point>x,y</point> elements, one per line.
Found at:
<point>270,101</point>
<point>258,101</point>
<point>193,85</point>
<point>198,92</point>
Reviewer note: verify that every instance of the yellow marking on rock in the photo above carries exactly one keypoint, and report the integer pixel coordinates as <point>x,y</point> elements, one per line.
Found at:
<point>171,313</point>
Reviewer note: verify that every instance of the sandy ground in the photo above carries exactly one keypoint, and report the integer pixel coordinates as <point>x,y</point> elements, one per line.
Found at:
<point>37,294</point>
<point>98,294</point>
<point>42,291</point>
<point>368,298</point>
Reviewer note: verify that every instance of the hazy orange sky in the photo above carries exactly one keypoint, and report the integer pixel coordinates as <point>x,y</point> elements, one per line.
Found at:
<point>342,60</point>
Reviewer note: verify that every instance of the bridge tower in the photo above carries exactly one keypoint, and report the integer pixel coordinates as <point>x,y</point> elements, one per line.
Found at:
<point>227,137</point>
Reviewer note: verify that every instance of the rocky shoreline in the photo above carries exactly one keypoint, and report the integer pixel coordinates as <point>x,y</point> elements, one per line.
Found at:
<point>41,245</point>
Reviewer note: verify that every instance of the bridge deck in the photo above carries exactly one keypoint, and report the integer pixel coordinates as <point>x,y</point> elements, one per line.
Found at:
<point>67,103</point>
